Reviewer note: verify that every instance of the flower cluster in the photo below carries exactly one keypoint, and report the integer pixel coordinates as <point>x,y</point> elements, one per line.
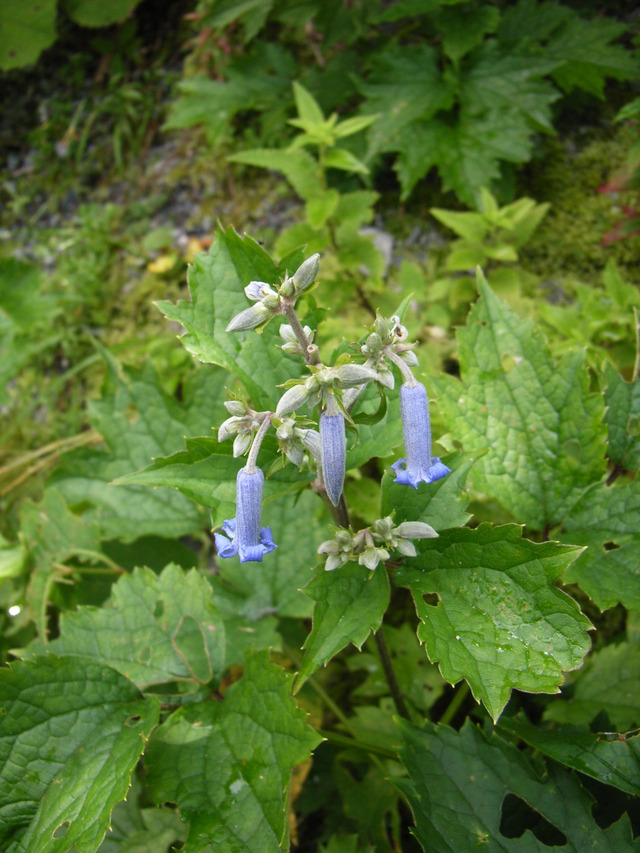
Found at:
<point>374,544</point>
<point>335,391</point>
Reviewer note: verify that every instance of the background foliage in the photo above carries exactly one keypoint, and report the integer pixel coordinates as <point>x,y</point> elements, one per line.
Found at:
<point>245,707</point>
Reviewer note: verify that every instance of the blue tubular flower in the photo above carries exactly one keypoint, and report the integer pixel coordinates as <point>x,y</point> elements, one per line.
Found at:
<point>333,443</point>
<point>419,466</point>
<point>244,534</point>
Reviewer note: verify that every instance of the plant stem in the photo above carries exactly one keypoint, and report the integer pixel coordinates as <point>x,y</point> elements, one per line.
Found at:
<point>454,706</point>
<point>342,513</point>
<point>352,743</point>
<point>250,467</point>
<point>392,681</point>
<point>309,351</point>
<point>403,367</point>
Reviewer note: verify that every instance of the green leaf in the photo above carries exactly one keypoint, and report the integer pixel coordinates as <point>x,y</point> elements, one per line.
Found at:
<point>26,29</point>
<point>353,125</point>
<point>447,768</point>
<point>87,13</point>
<point>141,830</point>
<point>377,439</point>
<point>441,504</point>
<point>607,520</point>
<point>321,207</point>
<point>139,421</point>
<point>537,419</point>
<point>623,419</point>
<point>350,603</point>
<point>206,472</point>
<point>12,559</point>
<point>464,28</point>
<point>227,764</point>
<point>406,85</point>
<point>296,164</point>
<point>307,105</point>
<point>340,158</point>
<point>610,758</point>
<point>53,535</point>
<point>71,735</point>
<point>153,629</point>
<point>609,681</point>
<point>216,282</point>
<point>499,622</point>
<point>299,525</point>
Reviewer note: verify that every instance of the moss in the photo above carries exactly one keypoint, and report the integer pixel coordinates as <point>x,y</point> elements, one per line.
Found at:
<point>569,241</point>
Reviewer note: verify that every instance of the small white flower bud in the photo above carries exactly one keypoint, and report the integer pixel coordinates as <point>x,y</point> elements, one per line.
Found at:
<point>291,400</point>
<point>406,548</point>
<point>250,318</point>
<point>410,358</point>
<point>235,407</point>
<point>415,530</point>
<point>351,375</point>
<point>257,290</point>
<point>242,443</point>
<point>228,428</point>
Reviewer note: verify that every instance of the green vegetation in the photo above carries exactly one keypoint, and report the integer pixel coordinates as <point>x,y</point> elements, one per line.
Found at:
<point>467,174</point>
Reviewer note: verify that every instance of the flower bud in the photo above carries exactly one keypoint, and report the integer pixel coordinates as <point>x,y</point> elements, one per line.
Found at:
<point>236,408</point>
<point>306,273</point>
<point>250,318</point>
<point>291,400</point>
<point>257,290</point>
<point>415,530</point>
<point>229,427</point>
<point>334,454</point>
<point>350,375</point>
<point>241,443</point>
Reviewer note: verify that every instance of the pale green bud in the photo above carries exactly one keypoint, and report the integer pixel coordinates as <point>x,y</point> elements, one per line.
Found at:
<point>242,443</point>
<point>291,400</point>
<point>306,273</point>
<point>415,530</point>
<point>250,318</point>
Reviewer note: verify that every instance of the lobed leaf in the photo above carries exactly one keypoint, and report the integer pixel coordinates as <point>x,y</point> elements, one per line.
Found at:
<point>539,423</point>
<point>71,733</point>
<point>623,419</point>
<point>228,764</point>
<point>460,783</point>
<point>499,621</point>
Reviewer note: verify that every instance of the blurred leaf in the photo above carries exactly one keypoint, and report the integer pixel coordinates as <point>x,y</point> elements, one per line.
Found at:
<point>27,27</point>
<point>499,622</point>
<point>71,734</point>
<point>228,764</point>
<point>622,417</point>
<point>609,681</point>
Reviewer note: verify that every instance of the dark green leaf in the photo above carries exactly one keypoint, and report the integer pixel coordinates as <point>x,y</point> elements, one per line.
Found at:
<point>350,603</point>
<point>610,758</point>
<point>623,419</point>
<point>449,768</point>
<point>71,734</point>
<point>227,764</point>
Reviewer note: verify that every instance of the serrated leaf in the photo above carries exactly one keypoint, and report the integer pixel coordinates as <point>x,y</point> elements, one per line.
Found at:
<point>340,158</point>
<point>610,758</point>
<point>447,768</point>
<point>463,29</point>
<point>375,439</point>
<point>441,504</point>
<point>139,421</point>
<point>90,14</point>
<point>607,520</point>
<point>499,621</point>
<point>406,85</point>
<point>153,629</point>
<point>216,282</point>
<point>227,764</point>
<point>609,681</point>
<point>70,736</point>
<point>539,423</point>
<point>623,419</point>
<point>350,603</point>
<point>307,105</point>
